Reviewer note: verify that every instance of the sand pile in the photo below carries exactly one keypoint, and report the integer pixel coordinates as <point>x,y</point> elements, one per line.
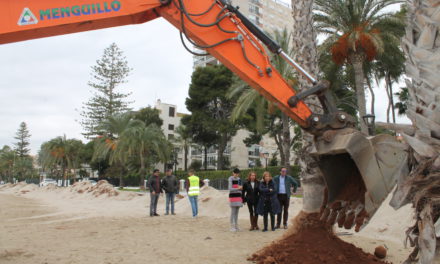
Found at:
<point>211,203</point>
<point>312,242</point>
<point>6,186</point>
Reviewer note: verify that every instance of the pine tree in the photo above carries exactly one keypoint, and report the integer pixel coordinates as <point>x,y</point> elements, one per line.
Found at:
<point>109,72</point>
<point>22,136</point>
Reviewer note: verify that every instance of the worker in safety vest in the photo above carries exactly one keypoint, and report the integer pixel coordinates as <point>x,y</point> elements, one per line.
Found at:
<point>193,184</point>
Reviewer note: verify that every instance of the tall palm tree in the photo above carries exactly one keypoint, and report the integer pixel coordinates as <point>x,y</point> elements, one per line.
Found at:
<point>184,140</point>
<point>61,153</point>
<point>306,54</point>
<point>145,143</point>
<point>7,163</point>
<point>358,29</point>
<point>421,188</point>
<point>277,123</point>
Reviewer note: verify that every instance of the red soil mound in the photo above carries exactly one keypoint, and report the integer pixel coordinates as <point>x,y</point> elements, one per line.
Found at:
<point>312,242</point>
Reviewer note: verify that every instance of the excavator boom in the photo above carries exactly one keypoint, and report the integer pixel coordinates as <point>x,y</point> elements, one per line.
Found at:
<point>359,172</point>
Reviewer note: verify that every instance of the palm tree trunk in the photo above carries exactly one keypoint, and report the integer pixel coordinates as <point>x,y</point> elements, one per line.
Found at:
<point>421,46</point>
<point>390,86</point>
<point>221,149</point>
<point>185,154</point>
<point>373,98</point>
<point>357,61</point>
<point>389,99</point>
<point>304,43</point>
<point>279,142</point>
<point>142,170</point>
<point>286,141</point>
<point>206,158</point>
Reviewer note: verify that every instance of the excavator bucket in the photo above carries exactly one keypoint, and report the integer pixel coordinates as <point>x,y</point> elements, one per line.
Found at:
<point>359,173</point>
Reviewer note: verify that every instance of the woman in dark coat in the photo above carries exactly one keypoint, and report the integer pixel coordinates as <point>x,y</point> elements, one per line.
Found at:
<point>250,196</point>
<point>268,203</point>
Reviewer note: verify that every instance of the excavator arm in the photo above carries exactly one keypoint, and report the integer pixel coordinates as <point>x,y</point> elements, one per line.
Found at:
<point>358,172</point>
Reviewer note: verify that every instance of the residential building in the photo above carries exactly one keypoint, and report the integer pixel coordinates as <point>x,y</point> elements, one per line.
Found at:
<point>236,152</point>
<point>269,15</point>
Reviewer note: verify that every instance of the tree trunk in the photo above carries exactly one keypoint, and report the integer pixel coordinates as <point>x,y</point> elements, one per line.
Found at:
<point>221,149</point>
<point>357,61</point>
<point>390,86</point>
<point>206,158</point>
<point>185,154</point>
<point>422,48</point>
<point>304,44</point>
<point>279,142</point>
<point>286,141</point>
<point>389,99</point>
<point>142,173</point>
<point>373,98</point>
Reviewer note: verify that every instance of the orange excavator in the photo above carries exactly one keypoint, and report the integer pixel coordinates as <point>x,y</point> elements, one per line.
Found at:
<point>359,171</point>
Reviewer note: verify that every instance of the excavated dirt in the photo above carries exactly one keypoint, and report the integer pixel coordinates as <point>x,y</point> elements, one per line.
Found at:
<point>312,242</point>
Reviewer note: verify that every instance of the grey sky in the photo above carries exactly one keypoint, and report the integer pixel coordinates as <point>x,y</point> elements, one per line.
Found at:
<point>43,81</point>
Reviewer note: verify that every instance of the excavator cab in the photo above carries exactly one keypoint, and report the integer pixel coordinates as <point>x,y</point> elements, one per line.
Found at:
<point>359,173</point>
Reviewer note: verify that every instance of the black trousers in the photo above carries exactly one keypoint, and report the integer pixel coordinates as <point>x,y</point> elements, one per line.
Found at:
<point>267,212</point>
<point>284,206</point>
<point>252,209</point>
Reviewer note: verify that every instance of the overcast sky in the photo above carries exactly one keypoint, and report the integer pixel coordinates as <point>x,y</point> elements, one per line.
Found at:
<point>43,82</point>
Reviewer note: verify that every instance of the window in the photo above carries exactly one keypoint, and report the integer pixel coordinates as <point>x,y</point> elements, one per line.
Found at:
<point>172,111</point>
<point>170,136</point>
<point>170,127</point>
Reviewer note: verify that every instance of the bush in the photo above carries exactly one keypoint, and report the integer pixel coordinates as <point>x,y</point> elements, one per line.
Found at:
<point>196,165</point>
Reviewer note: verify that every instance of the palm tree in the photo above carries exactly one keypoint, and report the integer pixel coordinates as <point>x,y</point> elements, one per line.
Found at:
<point>7,163</point>
<point>357,29</point>
<point>105,145</point>
<point>267,119</point>
<point>306,53</point>
<point>422,48</point>
<point>184,140</point>
<point>145,143</point>
<point>62,153</point>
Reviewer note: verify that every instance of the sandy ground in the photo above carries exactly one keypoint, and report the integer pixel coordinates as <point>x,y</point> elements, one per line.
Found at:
<point>80,224</point>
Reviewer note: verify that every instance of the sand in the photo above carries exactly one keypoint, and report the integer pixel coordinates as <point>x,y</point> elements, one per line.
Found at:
<point>97,224</point>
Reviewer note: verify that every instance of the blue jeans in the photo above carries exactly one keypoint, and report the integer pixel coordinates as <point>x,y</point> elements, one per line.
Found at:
<point>153,203</point>
<point>169,198</point>
<point>193,201</point>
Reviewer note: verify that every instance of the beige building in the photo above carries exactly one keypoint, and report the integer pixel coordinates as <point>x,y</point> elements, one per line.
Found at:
<point>238,154</point>
<point>269,15</point>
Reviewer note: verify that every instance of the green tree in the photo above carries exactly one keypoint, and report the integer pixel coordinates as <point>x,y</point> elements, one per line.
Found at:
<point>211,109</point>
<point>7,163</point>
<point>22,145</point>
<point>146,144</point>
<point>23,164</point>
<point>358,30</point>
<point>109,73</point>
<point>402,104</point>
<point>61,154</point>
<point>105,145</point>
<point>148,115</point>
<point>257,114</point>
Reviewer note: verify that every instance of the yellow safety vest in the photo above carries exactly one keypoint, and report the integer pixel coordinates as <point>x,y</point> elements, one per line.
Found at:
<point>194,186</point>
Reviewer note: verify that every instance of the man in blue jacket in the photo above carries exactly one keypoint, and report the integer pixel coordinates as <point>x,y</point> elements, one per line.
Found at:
<point>284,183</point>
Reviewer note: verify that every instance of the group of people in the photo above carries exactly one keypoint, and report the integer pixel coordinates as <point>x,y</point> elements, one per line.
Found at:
<point>170,185</point>
<point>266,197</point>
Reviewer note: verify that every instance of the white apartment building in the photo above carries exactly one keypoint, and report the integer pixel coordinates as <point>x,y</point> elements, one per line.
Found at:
<point>269,15</point>
<point>238,154</point>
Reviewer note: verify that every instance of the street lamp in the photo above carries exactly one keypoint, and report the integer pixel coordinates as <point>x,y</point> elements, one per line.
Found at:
<point>266,156</point>
<point>369,121</point>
